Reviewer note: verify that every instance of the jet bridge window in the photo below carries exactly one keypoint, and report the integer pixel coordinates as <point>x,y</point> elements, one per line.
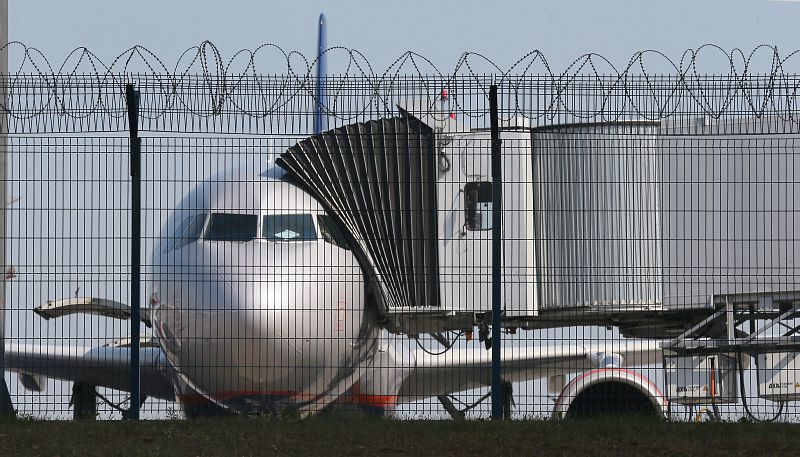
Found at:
<point>231,227</point>
<point>478,205</point>
<point>289,227</point>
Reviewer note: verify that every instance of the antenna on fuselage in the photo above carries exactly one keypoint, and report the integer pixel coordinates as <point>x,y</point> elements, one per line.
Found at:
<point>320,121</point>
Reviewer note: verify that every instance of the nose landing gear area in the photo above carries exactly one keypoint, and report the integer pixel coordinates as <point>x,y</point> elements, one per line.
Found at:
<point>248,403</point>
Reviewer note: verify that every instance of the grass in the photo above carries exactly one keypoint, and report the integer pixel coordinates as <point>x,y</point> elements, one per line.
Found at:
<point>338,436</point>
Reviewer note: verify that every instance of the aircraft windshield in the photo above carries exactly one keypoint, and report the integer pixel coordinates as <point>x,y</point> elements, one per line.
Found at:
<point>171,242</point>
<point>192,231</point>
<point>289,227</point>
<point>232,227</point>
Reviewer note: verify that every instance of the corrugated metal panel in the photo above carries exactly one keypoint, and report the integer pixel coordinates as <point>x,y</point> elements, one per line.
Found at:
<point>730,207</point>
<point>597,215</point>
<point>379,180</point>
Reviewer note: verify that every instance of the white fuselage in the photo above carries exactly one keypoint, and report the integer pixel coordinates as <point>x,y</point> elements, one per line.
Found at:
<point>252,320</point>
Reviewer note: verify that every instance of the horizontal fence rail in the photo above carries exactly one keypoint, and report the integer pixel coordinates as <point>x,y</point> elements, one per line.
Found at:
<point>646,237</point>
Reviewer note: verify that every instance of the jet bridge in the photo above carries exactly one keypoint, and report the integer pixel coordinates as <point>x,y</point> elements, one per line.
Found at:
<point>414,195</point>
<point>616,223</point>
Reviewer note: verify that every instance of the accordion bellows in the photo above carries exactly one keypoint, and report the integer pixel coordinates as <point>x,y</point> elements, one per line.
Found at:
<point>378,180</point>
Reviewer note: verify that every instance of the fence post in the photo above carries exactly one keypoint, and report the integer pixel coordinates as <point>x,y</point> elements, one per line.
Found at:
<point>6,406</point>
<point>132,98</point>
<point>497,257</point>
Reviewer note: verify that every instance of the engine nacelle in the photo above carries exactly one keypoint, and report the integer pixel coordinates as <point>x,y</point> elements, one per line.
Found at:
<point>609,390</point>
<point>33,382</point>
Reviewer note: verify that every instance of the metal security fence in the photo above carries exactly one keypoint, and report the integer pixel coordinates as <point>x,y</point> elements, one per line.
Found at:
<point>525,244</point>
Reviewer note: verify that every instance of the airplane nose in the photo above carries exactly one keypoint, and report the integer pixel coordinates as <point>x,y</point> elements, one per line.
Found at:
<point>226,336</point>
<point>259,336</point>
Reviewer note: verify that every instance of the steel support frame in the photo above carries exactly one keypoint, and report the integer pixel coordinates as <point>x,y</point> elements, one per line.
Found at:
<point>720,331</point>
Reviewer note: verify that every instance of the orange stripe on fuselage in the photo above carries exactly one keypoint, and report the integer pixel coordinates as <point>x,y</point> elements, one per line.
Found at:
<point>381,401</point>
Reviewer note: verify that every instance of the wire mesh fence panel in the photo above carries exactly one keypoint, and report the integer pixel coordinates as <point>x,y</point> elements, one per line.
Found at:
<point>66,227</point>
<point>328,248</point>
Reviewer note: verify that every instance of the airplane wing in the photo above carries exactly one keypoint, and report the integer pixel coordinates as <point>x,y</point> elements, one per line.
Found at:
<point>454,371</point>
<point>463,369</point>
<point>96,366</point>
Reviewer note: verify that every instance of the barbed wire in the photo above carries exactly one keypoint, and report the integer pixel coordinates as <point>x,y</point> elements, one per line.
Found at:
<point>202,83</point>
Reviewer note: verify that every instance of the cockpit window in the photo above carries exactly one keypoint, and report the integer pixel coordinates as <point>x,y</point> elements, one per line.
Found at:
<point>175,234</point>
<point>231,227</point>
<point>185,231</point>
<point>192,231</point>
<point>331,233</point>
<point>289,227</point>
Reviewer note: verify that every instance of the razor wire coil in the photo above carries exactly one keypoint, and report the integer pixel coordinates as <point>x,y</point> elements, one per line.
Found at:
<point>84,90</point>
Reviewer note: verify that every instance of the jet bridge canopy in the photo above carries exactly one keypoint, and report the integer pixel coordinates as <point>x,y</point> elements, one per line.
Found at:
<point>378,179</point>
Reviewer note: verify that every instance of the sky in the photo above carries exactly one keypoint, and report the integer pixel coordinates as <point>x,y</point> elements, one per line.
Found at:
<point>440,30</point>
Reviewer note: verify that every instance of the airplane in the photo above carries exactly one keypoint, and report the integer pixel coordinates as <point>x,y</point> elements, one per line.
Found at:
<point>264,298</point>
